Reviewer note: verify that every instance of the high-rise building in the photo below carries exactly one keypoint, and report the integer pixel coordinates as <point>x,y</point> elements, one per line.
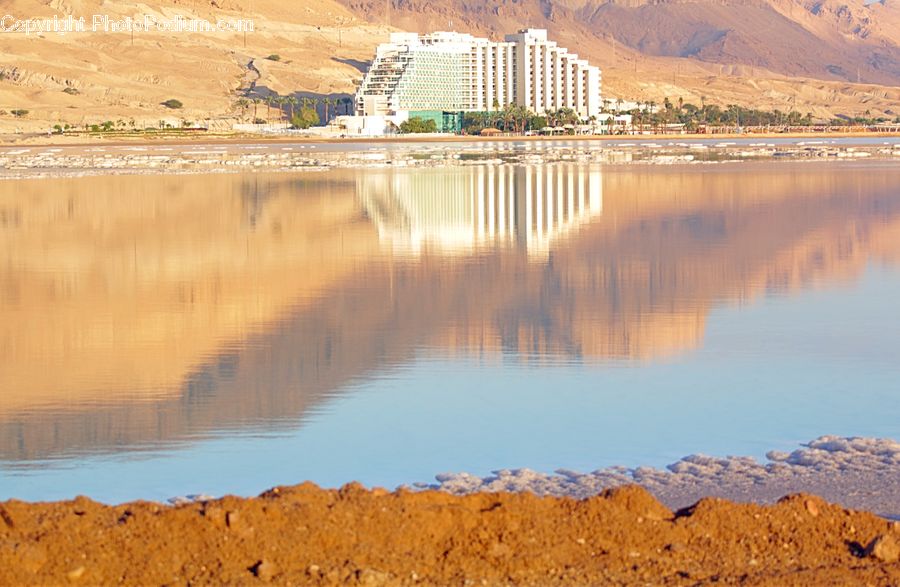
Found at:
<point>459,72</point>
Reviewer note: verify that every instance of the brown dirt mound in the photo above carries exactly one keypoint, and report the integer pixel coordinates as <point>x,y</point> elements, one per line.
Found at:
<point>309,536</point>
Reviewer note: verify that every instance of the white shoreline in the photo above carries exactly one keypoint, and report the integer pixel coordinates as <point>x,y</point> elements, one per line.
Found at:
<point>65,162</point>
<point>858,473</point>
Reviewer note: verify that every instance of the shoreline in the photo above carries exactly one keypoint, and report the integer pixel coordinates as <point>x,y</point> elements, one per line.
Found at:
<point>237,139</point>
<point>858,473</point>
<point>196,158</point>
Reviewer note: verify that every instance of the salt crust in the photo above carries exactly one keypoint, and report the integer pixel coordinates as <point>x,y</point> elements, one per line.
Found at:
<point>862,473</point>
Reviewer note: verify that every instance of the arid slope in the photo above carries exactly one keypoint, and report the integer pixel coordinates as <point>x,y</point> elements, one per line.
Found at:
<point>823,57</point>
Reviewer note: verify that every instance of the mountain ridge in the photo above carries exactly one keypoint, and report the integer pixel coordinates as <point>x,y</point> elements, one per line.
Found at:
<point>832,40</point>
<point>833,57</point>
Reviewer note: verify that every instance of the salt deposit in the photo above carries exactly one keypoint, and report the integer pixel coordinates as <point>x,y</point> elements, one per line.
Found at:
<point>200,158</point>
<point>861,473</point>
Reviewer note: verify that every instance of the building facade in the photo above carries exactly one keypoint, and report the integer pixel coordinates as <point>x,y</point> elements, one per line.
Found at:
<point>451,71</point>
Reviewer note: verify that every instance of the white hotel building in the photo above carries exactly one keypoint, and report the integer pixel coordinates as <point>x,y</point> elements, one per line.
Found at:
<point>448,71</point>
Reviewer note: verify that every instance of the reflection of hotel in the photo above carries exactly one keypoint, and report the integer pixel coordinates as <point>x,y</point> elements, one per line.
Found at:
<point>466,208</point>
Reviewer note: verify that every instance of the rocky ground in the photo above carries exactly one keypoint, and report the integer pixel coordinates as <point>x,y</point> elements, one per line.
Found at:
<point>304,535</point>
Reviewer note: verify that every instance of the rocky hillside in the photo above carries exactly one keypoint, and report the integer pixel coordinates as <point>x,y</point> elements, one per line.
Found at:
<point>842,40</point>
<point>90,77</point>
<point>827,57</point>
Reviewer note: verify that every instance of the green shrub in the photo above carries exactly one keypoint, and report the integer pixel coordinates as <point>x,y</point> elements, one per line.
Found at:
<point>305,118</point>
<point>71,91</point>
<point>19,113</point>
<point>274,57</point>
<point>173,104</point>
<point>418,125</point>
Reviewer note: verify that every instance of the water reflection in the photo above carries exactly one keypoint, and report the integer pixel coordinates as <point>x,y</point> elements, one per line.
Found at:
<point>460,210</point>
<point>138,310</point>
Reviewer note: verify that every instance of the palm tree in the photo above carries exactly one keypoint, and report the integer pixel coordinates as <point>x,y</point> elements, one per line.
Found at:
<point>522,116</point>
<point>292,102</point>
<point>553,118</point>
<point>242,103</point>
<point>506,116</point>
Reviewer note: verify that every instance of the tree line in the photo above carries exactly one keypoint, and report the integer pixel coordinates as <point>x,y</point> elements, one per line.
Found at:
<point>652,115</point>
<point>514,118</point>
<point>301,113</point>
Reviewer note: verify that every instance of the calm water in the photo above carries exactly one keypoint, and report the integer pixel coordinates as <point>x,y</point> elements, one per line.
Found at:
<point>161,336</point>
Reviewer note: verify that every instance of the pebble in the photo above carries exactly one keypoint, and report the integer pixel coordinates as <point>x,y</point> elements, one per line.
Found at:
<point>812,508</point>
<point>371,577</point>
<point>884,548</point>
<point>263,570</point>
<point>232,519</point>
<point>75,574</point>
<point>6,518</point>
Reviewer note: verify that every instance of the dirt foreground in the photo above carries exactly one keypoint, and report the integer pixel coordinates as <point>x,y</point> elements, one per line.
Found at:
<point>304,535</point>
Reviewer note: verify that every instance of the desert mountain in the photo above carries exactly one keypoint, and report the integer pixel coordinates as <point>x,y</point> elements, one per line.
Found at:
<point>827,57</point>
<point>823,39</point>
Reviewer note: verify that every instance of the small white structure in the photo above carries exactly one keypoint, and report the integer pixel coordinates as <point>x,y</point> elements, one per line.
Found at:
<point>614,123</point>
<point>366,126</point>
<point>272,127</point>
